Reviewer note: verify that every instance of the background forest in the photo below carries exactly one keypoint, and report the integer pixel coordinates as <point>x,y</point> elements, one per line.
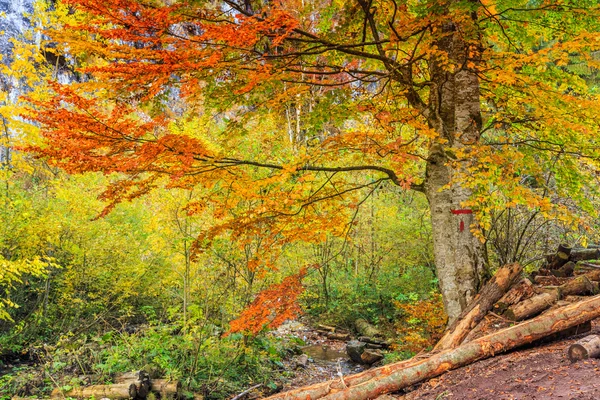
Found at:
<point>84,291</point>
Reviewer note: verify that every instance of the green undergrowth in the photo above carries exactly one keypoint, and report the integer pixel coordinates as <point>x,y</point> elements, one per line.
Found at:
<point>205,361</point>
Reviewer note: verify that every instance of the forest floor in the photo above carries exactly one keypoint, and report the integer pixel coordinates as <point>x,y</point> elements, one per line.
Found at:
<point>531,373</point>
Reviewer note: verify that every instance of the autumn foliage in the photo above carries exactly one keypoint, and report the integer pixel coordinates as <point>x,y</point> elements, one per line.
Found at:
<point>287,115</point>
<point>272,307</point>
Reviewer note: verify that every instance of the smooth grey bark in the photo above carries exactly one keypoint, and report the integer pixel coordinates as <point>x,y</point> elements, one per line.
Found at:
<point>454,103</point>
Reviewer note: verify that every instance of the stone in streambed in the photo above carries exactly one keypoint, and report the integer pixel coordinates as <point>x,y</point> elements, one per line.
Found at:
<point>355,349</point>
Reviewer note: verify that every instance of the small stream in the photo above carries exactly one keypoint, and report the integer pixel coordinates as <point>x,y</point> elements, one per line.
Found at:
<point>326,357</point>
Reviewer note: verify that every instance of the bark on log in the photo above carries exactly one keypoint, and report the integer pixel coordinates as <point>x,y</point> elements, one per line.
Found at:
<point>520,291</point>
<point>545,280</point>
<point>564,271</point>
<point>338,336</point>
<point>588,347</point>
<point>394,377</point>
<point>166,388</point>
<point>140,379</point>
<point>326,328</point>
<point>567,333</point>
<point>560,258</point>
<point>532,306</point>
<point>479,307</point>
<point>584,254</point>
<point>370,340</point>
<point>580,285</point>
<point>366,329</point>
<point>117,391</point>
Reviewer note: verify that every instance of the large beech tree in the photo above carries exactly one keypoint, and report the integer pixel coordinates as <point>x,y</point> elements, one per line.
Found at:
<point>285,111</point>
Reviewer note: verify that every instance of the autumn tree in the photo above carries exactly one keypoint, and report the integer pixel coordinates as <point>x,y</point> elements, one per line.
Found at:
<point>301,107</point>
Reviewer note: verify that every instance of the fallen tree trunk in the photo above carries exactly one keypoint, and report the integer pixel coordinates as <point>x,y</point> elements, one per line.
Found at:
<point>394,377</point>
<point>140,379</point>
<point>117,391</point>
<point>580,285</point>
<point>520,291</point>
<point>366,329</point>
<point>561,257</point>
<point>166,388</point>
<point>588,347</point>
<point>532,306</point>
<point>479,307</point>
<point>584,254</point>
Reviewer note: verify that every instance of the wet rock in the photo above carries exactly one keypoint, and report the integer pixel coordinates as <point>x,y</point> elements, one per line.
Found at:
<point>301,361</point>
<point>355,349</point>
<point>371,356</point>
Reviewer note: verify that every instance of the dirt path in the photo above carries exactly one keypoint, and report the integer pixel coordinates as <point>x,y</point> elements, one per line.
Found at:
<point>537,373</point>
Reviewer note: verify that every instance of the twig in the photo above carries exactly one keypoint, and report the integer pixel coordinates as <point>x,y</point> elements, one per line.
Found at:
<point>245,392</point>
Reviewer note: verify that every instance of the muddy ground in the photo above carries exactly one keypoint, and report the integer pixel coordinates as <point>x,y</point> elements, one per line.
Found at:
<point>534,373</point>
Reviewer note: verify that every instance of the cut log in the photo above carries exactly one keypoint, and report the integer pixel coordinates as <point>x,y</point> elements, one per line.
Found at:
<point>575,299</point>
<point>140,379</point>
<point>167,389</point>
<point>117,391</point>
<point>545,280</point>
<point>366,329</point>
<point>584,254</point>
<point>564,271</point>
<point>567,333</point>
<point>560,258</point>
<point>338,336</point>
<point>532,306</point>
<point>520,291</point>
<point>479,307</point>
<point>588,347</point>
<point>326,328</point>
<point>394,377</point>
<point>382,343</point>
<point>580,285</point>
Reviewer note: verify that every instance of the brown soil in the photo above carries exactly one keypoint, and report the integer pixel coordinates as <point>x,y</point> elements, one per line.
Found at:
<point>535,373</point>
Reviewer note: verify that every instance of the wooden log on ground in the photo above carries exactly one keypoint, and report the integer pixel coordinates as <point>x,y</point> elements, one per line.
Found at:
<point>520,291</point>
<point>584,254</point>
<point>560,258</point>
<point>338,336</point>
<point>580,285</point>
<point>588,347</point>
<point>366,329</point>
<point>141,380</point>
<point>369,340</point>
<point>532,306</point>
<point>167,388</point>
<point>393,377</point>
<point>564,271</point>
<point>479,307</point>
<point>326,328</point>
<point>567,333</point>
<point>116,391</point>
<point>546,280</point>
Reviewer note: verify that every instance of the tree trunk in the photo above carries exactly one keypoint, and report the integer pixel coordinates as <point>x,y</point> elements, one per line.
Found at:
<point>477,310</point>
<point>455,102</point>
<point>394,377</point>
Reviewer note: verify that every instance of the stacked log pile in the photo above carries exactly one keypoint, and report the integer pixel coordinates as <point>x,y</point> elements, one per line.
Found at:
<point>510,311</point>
<point>133,385</point>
